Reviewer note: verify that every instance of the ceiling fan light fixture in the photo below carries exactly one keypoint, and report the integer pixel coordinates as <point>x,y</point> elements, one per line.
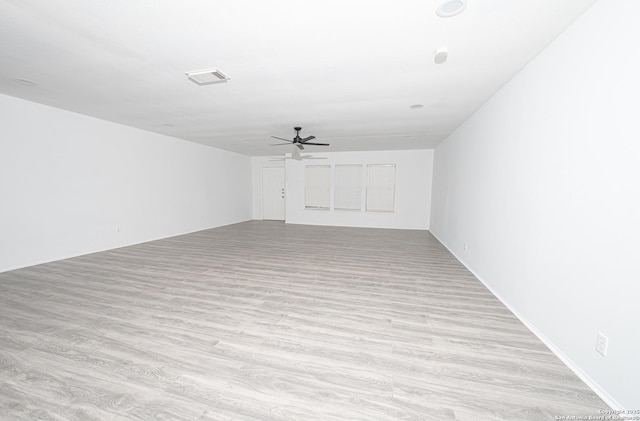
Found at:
<point>450,8</point>
<point>207,76</point>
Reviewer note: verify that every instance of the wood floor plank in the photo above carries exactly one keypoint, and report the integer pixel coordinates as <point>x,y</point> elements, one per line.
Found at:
<point>267,321</point>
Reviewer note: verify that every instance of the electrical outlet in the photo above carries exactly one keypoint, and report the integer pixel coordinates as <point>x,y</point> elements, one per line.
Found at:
<point>602,343</point>
<point>465,246</point>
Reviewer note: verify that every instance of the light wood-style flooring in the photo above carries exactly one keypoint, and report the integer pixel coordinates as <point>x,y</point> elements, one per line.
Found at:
<point>267,321</point>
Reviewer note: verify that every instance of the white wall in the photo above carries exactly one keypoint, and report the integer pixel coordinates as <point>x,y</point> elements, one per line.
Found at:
<point>542,183</point>
<point>72,184</point>
<point>412,195</point>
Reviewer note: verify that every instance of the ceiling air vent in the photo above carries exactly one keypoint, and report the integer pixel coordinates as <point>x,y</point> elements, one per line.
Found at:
<point>207,77</point>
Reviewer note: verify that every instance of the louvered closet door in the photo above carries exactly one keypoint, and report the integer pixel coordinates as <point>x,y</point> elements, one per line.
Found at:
<point>273,193</point>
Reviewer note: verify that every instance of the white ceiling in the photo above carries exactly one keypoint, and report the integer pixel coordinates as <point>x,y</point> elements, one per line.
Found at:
<point>346,71</point>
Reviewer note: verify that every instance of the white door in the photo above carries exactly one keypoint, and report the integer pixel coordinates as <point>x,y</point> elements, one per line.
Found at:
<point>273,193</point>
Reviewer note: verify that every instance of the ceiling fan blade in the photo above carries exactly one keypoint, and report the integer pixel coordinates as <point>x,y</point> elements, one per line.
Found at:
<point>286,140</point>
<point>317,144</point>
<point>306,139</point>
<point>299,145</point>
<point>277,144</point>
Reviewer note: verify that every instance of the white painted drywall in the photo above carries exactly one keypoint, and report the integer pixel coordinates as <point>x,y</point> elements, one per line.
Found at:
<point>72,184</point>
<point>542,184</point>
<point>412,195</point>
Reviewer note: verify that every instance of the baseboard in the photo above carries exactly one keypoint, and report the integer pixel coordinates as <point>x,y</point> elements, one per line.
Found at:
<point>592,384</point>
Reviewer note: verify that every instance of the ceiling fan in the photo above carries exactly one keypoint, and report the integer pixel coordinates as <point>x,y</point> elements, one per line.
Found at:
<point>298,141</point>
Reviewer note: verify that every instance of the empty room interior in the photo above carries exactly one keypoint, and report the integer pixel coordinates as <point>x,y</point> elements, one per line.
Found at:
<point>281,210</point>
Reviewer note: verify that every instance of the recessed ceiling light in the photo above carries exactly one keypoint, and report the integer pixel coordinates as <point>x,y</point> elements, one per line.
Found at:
<point>25,82</point>
<point>449,8</point>
<point>441,55</point>
<point>416,106</point>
